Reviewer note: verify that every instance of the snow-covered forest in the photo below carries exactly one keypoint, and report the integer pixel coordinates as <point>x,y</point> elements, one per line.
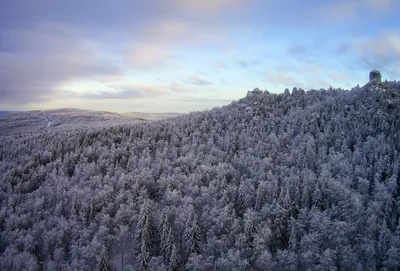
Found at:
<point>292,181</point>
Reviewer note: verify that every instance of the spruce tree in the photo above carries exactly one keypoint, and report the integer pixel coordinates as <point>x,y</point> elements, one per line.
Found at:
<point>145,235</point>
<point>104,262</point>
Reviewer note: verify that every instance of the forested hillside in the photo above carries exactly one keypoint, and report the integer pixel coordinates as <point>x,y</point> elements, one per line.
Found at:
<point>292,181</point>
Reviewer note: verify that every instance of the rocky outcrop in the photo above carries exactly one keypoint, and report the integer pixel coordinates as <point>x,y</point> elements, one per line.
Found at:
<point>375,81</point>
<point>375,77</point>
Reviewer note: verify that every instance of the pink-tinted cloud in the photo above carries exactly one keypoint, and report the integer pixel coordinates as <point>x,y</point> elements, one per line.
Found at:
<point>340,76</point>
<point>280,78</point>
<point>181,33</point>
<point>178,88</point>
<point>154,45</point>
<point>148,56</point>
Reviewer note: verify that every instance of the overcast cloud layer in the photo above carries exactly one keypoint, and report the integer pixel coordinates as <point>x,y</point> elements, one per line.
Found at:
<point>179,55</point>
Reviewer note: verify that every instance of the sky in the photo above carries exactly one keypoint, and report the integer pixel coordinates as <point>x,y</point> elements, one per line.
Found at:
<point>187,55</point>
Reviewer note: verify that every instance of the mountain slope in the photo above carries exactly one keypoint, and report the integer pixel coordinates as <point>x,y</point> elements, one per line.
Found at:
<point>300,181</point>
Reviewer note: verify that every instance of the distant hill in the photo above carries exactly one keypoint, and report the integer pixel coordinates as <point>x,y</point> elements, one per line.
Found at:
<point>6,112</point>
<point>32,122</point>
<point>151,116</point>
<point>303,180</point>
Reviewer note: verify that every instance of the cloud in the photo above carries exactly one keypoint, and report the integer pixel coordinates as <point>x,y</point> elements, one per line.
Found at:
<point>386,45</point>
<point>209,6</point>
<point>148,56</point>
<point>342,48</point>
<point>297,50</point>
<point>340,76</point>
<point>164,32</point>
<point>161,43</point>
<point>38,60</point>
<point>220,65</point>
<point>309,76</point>
<point>200,82</point>
<point>351,9</point>
<point>104,94</point>
<point>205,100</point>
<point>178,88</point>
<point>245,64</point>
<point>110,79</point>
<point>303,69</point>
<point>280,78</point>
<point>124,92</point>
<point>381,52</point>
<point>380,5</point>
<point>191,86</point>
<point>175,32</point>
<point>311,69</point>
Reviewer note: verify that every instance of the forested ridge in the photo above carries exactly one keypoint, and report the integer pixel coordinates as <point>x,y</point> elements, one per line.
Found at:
<point>292,181</point>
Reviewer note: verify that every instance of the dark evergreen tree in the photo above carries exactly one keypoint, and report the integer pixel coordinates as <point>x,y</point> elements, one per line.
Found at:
<point>104,262</point>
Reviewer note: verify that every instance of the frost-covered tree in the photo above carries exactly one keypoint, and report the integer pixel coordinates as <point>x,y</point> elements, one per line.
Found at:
<point>104,261</point>
<point>193,235</point>
<point>166,236</point>
<point>145,235</point>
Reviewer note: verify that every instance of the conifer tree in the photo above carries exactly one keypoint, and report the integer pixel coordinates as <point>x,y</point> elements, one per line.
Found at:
<point>166,237</point>
<point>192,236</point>
<point>174,258</point>
<point>145,235</point>
<point>104,262</point>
